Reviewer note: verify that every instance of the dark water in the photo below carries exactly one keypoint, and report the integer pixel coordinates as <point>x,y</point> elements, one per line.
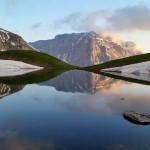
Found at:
<point>74,111</point>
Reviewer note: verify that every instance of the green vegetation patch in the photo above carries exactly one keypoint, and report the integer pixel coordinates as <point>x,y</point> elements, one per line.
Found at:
<point>35,58</point>
<point>119,62</point>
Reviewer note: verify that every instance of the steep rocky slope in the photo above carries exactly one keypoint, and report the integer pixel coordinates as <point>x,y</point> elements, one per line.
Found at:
<point>11,41</point>
<point>85,49</point>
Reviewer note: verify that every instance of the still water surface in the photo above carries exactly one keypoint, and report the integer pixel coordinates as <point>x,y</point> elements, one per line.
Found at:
<point>74,111</point>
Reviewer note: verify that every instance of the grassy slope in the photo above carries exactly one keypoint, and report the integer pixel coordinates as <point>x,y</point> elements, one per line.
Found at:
<point>54,66</point>
<point>35,58</point>
<point>119,62</point>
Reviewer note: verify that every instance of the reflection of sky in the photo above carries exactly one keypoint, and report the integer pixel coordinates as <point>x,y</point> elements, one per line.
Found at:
<point>75,119</point>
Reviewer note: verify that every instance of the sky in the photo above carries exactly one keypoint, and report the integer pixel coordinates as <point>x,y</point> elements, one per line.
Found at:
<point>43,19</point>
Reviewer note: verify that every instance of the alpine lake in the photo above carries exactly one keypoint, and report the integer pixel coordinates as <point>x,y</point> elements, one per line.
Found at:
<point>72,110</point>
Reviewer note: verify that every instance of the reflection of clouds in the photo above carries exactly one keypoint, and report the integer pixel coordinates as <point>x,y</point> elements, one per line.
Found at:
<point>108,102</point>
<point>104,83</point>
<point>104,102</point>
<point>9,140</point>
<point>84,103</point>
<point>52,105</point>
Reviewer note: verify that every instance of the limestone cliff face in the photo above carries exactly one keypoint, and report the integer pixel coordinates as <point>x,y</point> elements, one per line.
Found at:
<point>84,49</point>
<point>11,41</point>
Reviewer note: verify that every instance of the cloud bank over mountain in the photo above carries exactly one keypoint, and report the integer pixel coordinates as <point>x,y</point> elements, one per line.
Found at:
<point>129,18</point>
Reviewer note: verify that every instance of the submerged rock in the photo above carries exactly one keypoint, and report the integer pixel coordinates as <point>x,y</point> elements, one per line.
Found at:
<point>137,118</point>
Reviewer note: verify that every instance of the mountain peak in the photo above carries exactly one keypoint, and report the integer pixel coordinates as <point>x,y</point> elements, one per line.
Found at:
<point>11,41</point>
<point>86,48</point>
<point>92,33</point>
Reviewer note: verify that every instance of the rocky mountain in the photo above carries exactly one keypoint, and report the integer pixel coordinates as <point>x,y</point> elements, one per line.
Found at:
<point>11,41</point>
<point>85,49</point>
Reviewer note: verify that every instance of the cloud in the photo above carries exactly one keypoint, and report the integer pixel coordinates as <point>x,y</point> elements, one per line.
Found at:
<point>129,18</point>
<point>36,25</point>
<point>79,21</point>
<point>72,20</point>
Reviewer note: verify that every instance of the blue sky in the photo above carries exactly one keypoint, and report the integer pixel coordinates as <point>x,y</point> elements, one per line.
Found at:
<point>39,19</point>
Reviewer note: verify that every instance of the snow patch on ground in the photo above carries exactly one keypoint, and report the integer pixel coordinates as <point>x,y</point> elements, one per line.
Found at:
<point>14,68</point>
<point>137,68</point>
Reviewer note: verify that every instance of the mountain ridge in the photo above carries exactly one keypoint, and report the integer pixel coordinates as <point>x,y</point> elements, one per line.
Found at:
<point>11,41</point>
<point>86,48</point>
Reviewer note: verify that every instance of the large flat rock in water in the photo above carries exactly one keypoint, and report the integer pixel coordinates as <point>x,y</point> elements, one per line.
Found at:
<point>137,118</point>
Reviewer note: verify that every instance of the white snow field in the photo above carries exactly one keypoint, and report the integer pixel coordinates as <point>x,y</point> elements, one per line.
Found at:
<point>138,68</point>
<point>15,68</point>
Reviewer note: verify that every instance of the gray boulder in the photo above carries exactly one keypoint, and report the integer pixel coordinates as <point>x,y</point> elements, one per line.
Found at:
<point>137,118</point>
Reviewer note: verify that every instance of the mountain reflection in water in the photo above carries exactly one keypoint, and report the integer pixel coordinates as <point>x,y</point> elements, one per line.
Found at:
<point>6,89</point>
<point>142,78</point>
<point>76,110</point>
<point>83,82</point>
<point>71,81</point>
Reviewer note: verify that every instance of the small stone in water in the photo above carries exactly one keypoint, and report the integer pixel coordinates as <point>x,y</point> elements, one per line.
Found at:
<point>122,98</point>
